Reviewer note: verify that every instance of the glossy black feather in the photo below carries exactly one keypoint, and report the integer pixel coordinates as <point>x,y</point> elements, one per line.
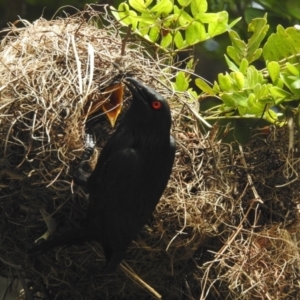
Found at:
<point>129,178</point>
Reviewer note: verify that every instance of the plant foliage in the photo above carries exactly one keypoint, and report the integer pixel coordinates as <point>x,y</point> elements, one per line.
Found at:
<point>245,91</point>
<point>172,26</point>
<point>253,92</point>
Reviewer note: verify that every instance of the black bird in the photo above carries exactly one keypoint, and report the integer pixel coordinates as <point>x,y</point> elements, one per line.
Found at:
<point>129,178</point>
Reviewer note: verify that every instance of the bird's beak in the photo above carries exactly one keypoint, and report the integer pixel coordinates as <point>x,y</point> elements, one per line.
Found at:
<point>113,107</point>
<point>136,88</point>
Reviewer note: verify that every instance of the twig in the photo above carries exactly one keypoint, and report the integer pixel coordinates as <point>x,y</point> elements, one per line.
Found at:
<point>138,280</point>
<point>249,178</point>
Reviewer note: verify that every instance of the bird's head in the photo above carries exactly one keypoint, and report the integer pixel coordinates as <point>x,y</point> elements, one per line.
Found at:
<point>148,106</point>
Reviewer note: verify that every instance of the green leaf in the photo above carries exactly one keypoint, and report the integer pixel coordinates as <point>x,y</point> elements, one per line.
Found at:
<point>244,66</point>
<point>289,82</point>
<point>144,27</point>
<point>234,22</point>
<point>250,51</point>
<point>271,116</point>
<point>239,79</point>
<point>296,84</point>
<point>201,84</point>
<point>122,14</point>
<point>261,92</point>
<point>178,39</point>
<point>236,55</point>
<point>279,94</point>
<point>133,20</point>
<point>170,20</point>
<point>138,5</point>
<point>231,65</point>
<point>255,107</point>
<point>259,28</point>
<point>145,18</point>
<point>184,3</point>
<point>184,18</point>
<point>195,32</point>
<point>293,70</point>
<point>256,55</point>
<point>148,2</point>
<point>190,65</point>
<point>216,88</point>
<point>220,26</point>
<point>238,48</point>
<point>154,33</point>
<point>240,100</point>
<point>182,82</point>
<point>242,110</point>
<point>207,17</point>
<point>274,70</point>
<point>198,6</point>
<point>166,40</point>
<point>280,83</point>
<point>225,82</point>
<point>254,76</point>
<point>251,100</point>
<point>162,7</point>
<point>284,44</point>
<point>227,98</point>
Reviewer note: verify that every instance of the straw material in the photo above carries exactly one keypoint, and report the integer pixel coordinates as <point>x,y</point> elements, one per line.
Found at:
<point>227,224</point>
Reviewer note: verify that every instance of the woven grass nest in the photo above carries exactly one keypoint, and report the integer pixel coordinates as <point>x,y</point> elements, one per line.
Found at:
<point>227,226</point>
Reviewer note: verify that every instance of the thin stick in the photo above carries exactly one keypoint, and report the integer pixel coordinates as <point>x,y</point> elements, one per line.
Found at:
<point>138,280</point>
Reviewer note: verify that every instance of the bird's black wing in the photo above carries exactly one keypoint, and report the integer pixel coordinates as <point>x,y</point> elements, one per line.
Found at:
<point>113,198</point>
<point>109,217</point>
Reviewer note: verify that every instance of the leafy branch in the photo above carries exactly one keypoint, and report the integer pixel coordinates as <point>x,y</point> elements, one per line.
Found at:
<point>245,91</point>
<point>254,92</point>
<point>172,27</point>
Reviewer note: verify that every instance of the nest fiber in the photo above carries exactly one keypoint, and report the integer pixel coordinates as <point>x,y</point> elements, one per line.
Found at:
<point>227,225</point>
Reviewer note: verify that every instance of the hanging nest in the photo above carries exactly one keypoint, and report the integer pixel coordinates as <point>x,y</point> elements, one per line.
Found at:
<point>227,224</point>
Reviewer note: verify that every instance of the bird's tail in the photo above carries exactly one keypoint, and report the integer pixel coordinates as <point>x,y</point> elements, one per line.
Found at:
<point>70,238</point>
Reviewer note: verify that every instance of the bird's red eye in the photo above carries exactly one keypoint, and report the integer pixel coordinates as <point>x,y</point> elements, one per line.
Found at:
<point>156,105</point>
